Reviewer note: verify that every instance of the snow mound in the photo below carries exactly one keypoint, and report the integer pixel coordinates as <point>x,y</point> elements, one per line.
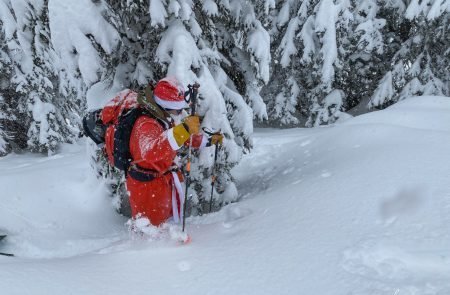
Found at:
<point>421,112</point>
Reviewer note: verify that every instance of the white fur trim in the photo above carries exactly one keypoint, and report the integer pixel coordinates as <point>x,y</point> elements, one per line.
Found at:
<point>169,104</point>
<point>177,198</point>
<point>175,215</point>
<point>172,141</point>
<point>204,141</point>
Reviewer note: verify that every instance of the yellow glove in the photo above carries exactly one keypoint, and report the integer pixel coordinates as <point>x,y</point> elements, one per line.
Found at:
<point>192,124</point>
<point>216,139</point>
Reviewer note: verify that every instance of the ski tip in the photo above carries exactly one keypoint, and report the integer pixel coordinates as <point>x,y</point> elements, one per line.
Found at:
<point>185,240</point>
<point>7,254</point>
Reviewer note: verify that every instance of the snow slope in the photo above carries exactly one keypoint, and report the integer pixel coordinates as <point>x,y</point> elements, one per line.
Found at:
<point>361,207</point>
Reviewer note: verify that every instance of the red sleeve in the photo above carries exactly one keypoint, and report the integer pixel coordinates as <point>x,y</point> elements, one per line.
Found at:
<point>198,141</point>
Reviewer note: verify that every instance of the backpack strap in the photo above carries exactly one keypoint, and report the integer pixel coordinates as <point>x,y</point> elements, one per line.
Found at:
<point>146,100</point>
<point>141,174</point>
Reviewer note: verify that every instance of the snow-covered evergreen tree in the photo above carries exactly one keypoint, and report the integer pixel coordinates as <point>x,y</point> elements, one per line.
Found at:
<point>220,44</point>
<point>237,47</point>
<point>306,60</point>
<point>39,113</point>
<point>5,78</point>
<point>331,56</point>
<point>285,95</point>
<point>362,53</point>
<point>85,40</point>
<point>420,64</point>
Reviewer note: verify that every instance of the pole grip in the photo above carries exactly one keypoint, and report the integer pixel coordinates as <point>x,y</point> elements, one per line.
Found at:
<point>193,89</point>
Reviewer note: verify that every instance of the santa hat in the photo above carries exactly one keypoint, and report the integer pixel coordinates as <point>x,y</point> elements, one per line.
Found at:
<point>169,94</point>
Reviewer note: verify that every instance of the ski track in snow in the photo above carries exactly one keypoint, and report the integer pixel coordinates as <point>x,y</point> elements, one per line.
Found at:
<point>361,207</point>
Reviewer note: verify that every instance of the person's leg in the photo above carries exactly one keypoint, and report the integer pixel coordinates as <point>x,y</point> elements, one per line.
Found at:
<point>151,199</point>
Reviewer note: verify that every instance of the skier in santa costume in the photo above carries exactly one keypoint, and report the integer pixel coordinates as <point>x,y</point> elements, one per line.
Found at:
<point>153,180</point>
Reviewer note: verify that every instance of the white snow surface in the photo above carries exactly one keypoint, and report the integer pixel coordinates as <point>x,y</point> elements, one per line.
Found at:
<point>360,207</point>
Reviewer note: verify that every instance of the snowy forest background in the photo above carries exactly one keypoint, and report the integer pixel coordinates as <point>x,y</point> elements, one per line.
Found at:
<point>278,63</point>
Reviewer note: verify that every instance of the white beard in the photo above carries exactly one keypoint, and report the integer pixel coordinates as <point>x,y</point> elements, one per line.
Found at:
<point>177,119</point>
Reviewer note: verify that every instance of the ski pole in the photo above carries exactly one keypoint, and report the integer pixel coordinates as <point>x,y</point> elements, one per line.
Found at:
<point>193,90</point>
<point>213,178</point>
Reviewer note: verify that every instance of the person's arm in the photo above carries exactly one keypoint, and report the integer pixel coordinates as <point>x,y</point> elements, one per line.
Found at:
<point>200,141</point>
<point>157,144</point>
<point>156,147</point>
